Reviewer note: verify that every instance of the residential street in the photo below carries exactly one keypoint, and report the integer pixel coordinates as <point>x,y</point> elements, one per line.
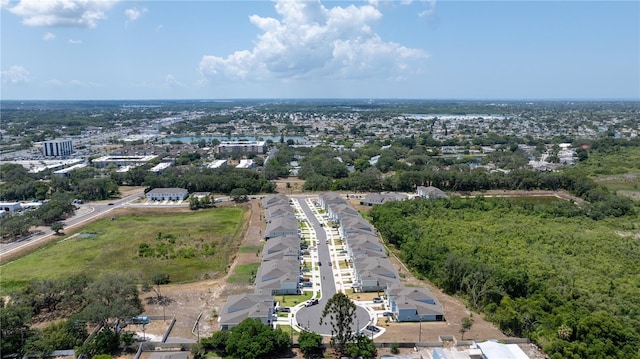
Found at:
<point>309,317</point>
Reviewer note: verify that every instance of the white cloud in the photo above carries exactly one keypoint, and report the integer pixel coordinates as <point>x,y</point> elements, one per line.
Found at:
<point>77,13</point>
<point>71,84</point>
<point>134,14</point>
<point>430,11</point>
<point>171,81</point>
<point>48,36</point>
<point>84,84</point>
<point>75,42</point>
<point>54,83</point>
<point>312,40</point>
<point>15,75</point>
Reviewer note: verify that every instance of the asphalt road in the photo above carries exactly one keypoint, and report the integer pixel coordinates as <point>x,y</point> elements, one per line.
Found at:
<point>86,213</point>
<point>309,317</point>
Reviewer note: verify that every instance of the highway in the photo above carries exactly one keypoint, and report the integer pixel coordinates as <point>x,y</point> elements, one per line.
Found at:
<point>84,214</point>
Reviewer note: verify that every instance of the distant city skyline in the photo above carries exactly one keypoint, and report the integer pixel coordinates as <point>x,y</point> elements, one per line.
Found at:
<point>136,50</point>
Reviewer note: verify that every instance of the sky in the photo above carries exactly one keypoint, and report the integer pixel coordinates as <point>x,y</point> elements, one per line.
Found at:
<point>405,49</point>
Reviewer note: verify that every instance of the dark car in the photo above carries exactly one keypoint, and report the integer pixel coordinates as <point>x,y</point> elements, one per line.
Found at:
<point>319,263</point>
<point>373,328</point>
<point>387,314</point>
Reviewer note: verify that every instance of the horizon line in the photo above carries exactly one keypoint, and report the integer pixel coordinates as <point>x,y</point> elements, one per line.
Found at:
<point>552,99</point>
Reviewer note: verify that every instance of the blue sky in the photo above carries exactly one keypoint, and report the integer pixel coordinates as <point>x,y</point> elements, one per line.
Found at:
<point>110,49</point>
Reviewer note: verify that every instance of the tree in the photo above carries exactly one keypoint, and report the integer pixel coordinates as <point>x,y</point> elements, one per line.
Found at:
<point>251,339</point>
<point>479,284</point>
<point>55,336</point>
<point>310,343</point>
<point>159,278</point>
<point>216,342</point>
<point>112,299</point>
<point>362,347</point>
<point>15,327</point>
<point>15,226</point>
<point>239,194</point>
<point>341,311</point>
<point>104,342</point>
<point>57,227</point>
<point>465,325</point>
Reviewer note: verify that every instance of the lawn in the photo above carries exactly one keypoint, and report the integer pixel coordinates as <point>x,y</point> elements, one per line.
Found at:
<point>292,300</point>
<point>187,246</point>
<point>250,249</point>
<point>244,273</point>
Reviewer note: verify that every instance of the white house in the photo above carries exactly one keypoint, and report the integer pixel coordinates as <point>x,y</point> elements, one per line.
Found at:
<point>167,194</point>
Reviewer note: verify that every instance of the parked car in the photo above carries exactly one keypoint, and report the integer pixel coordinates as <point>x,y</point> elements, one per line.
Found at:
<point>311,302</point>
<point>373,328</point>
<point>377,300</point>
<point>387,314</point>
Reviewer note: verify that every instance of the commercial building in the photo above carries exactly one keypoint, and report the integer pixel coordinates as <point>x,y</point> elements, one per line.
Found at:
<point>57,148</point>
<point>259,147</point>
<point>246,163</point>
<point>10,207</point>
<point>66,172</point>
<point>167,194</point>
<point>122,161</point>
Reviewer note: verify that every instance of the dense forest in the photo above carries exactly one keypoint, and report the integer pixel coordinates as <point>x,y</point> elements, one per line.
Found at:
<point>541,269</point>
<point>564,274</point>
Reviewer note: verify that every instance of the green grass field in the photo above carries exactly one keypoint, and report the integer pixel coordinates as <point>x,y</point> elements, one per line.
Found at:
<point>244,273</point>
<point>617,169</point>
<point>250,249</point>
<point>187,246</point>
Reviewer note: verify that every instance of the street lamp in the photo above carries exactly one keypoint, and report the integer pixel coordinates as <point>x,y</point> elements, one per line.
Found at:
<point>420,334</point>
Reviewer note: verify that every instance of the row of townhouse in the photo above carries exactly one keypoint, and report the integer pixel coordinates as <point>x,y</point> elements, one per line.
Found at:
<point>279,272</point>
<point>373,271</point>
